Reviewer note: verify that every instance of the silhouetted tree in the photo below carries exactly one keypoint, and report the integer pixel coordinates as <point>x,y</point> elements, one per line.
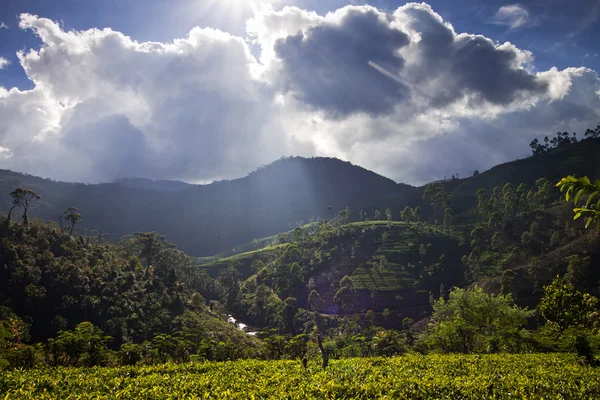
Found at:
<point>23,198</point>
<point>72,215</point>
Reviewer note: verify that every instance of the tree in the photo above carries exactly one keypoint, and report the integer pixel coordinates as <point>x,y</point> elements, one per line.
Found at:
<point>197,301</point>
<point>377,214</point>
<point>522,206</point>
<point>229,282</point>
<point>563,306</point>
<point>576,188</point>
<point>448,220</point>
<point>94,342</point>
<point>577,270</point>
<point>407,214</point>
<point>388,343</point>
<point>23,198</point>
<point>148,245</point>
<point>474,321</point>
<point>436,194</point>
<point>507,283</point>
<point>497,241</point>
<point>593,133</point>
<point>315,301</point>
<point>388,215</point>
<point>509,200</point>
<point>417,213</point>
<point>72,215</point>
<point>345,297</point>
<point>14,204</point>
<point>479,237</point>
<point>483,203</point>
<point>68,348</point>
<point>475,173</point>
<point>543,196</point>
<point>370,318</point>
<point>362,215</point>
<point>345,215</point>
<point>288,312</point>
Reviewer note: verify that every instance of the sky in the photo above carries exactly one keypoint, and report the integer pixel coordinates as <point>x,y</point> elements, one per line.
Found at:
<point>203,90</point>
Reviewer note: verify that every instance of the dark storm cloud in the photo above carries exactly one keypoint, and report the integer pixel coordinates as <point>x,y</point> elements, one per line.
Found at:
<point>467,64</point>
<point>328,68</point>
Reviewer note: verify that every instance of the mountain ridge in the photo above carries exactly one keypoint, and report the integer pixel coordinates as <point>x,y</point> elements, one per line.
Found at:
<point>210,218</point>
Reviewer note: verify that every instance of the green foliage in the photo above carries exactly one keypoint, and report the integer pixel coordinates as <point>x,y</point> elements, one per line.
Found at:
<point>577,270</point>
<point>85,345</point>
<point>474,321</point>
<point>345,297</point>
<point>436,195</point>
<point>315,302</point>
<point>563,307</point>
<point>71,215</point>
<point>406,377</point>
<point>578,188</point>
<point>146,245</point>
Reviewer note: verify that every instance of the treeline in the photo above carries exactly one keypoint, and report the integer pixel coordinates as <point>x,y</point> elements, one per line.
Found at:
<point>561,139</point>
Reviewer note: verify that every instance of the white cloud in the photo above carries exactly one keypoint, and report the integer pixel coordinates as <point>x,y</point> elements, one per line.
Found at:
<point>3,25</point>
<point>514,16</point>
<point>202,107</point>
<point>5,153</point>
<point>3,62</point>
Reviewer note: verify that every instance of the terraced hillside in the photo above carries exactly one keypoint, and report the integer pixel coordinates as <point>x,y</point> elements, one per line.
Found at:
<point>393,265</point>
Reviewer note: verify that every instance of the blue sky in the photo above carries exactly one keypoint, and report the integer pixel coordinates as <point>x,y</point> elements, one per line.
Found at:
<point>387,85</point>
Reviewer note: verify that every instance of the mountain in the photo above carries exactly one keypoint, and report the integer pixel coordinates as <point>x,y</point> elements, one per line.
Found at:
<point>206,219</point>
<point>159,185</point>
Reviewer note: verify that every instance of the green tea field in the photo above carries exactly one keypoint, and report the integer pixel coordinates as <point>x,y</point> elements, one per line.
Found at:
<point>549,376</point>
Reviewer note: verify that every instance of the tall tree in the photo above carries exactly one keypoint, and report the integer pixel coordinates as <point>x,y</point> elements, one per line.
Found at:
<point>72,215</point>
<point>345,297</point>
<point>417,213</point>
<point>147,245</point>
<point>23,198</point>
<point>229,281</point>
<point>407,214</point>
<point>483,203</point>
<point>436,194</point>
<point>315,301</point>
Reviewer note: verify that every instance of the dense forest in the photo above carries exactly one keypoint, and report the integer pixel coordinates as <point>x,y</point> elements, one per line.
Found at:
<point>313,258</point>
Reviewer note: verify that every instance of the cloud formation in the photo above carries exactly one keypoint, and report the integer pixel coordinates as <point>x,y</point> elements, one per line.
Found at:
<point>327,66</point>
<point>514,16</point>
<point>3,62</point>
<point>401,93</point>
